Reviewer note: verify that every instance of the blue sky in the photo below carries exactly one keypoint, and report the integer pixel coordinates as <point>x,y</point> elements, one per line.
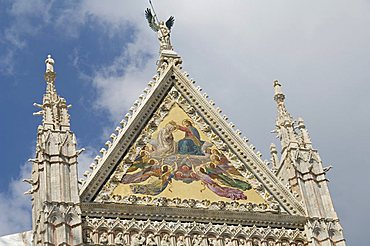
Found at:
<point>105,54</point>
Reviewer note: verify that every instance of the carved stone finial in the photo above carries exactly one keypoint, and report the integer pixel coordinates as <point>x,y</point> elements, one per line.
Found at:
<point>284,122</point>
<point>278,95</point>
<point>49,64</point>
<point>305,137</point>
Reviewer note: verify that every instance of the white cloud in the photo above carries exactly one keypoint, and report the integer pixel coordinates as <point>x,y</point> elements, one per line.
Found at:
<point>15,207</point>
<point>119,84</point>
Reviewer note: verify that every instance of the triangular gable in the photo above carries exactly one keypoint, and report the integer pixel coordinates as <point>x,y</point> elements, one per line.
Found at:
<point>245,182</point>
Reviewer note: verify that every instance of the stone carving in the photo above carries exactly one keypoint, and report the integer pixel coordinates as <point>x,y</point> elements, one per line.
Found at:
<point>256,242</point>
<point>165,240</point>
<point>49,64</point>
<point>119,240</point>
<point>196,231</point>
<point>150,240</point>
<point>270,242</point>
<point>180,241</point>
<point>197,240</point>
<point>285,243</point>
<point>87,236</point>
<point>163,29</point>
<point>241,242</point>
<point>228,242</point>
<point>103,238</point>
<point>137,240</point>
<point>212,242</point>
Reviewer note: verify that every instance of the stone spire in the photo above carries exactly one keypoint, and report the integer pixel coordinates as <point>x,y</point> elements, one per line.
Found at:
<point>302,171</point>
<point>54,108</point>
<point>56,215</point>
<point>284,122</point>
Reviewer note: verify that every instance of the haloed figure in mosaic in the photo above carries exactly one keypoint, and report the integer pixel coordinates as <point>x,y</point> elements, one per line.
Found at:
<point>191,144</point>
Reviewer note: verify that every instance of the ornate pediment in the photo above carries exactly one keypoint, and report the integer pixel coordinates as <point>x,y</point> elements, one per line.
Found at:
<point>176,150</point>
<point>178,160</point>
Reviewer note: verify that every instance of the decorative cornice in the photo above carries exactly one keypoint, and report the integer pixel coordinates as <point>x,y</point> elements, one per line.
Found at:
<point>123,211</point>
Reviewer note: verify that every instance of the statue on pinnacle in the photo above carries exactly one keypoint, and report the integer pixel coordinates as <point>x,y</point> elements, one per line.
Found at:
<point>162,28</point>
<point>49,64</point>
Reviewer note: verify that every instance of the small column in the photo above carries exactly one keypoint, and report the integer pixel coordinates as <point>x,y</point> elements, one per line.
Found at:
<point>188,240</point>
<point>172,239</point>
<point>127,238</point>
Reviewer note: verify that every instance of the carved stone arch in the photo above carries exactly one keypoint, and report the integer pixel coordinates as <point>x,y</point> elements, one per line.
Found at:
<point>164,229</point>
<point>115,230</point>
<point>150,230</point>
<point>117,224</point>
<point>134,231</point>
<point>132,225</point>
<point>255,234</point>
<point>103,227</point>
<point>180,230</point>
<point>148,226</point>
<point>227,234</point>
<point>195,230</point>
<point>212,233</point>
<point>297,237</point>
<point>237,231</point>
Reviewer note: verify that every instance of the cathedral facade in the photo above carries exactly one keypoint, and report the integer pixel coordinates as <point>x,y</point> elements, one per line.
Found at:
<point>177,173</point>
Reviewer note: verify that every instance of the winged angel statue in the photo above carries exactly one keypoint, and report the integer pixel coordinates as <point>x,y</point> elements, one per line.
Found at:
<point>163,29</point>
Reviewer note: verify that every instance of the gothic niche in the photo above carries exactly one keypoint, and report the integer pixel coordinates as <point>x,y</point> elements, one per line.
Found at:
<point>138,239</point>
<point>212,241</point>
<point>103,238</point>
<point>150,240</point>
<point>197,240</point>
<point>119,239</point>
<point>165,241</point>
<point>180,240</point>
<point>87,235</point>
